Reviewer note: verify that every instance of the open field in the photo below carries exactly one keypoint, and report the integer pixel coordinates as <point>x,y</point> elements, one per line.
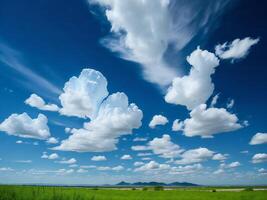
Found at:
<point>71,193</point>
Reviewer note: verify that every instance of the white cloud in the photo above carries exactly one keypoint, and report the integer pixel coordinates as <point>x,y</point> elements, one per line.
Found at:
<point>220,157</point>
<point>126,157</point>
<point>219,171</point>
<point>115,118</point>
<point>195,156</point>
<point>82,171</point>
<point>259,138</point>
<point>110,116</point>
<point>98,158</point>
<point>144,154</point>
<point>52,156</point>
<point>233,164</point>
<point>214,100</point>
<point>5,169</point>
<point>52,140</point>
<point>230,104</point>
<point>36,101</point>
<point>158,120</point>
<point>259,158</point>
<point>70,161</point>
<point>195,88</point>
<point>177,125</point>
<point>164,147</point>
<point>105,168</point>
<point>137,164</point>
<point>238,48</point>
<point>206,122</point>
<point>24,161</point>
<point>19,142</point>
<point>187,169</point>
<point>139,139</point>
<point>83,95</point>
<point>67,130</point>
<point>152,165</point>
<point>166,25</point>
<point>23,125</point>
<point>140,148</point>
<point>143,41</point>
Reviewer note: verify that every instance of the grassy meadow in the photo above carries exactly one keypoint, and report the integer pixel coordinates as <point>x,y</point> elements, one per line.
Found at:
<point>71,193</point>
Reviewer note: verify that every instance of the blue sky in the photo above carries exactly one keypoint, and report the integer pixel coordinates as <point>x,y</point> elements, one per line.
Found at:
<point>164,60</point>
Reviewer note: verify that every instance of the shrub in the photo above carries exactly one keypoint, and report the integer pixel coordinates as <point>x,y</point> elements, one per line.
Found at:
<point>248,189</point>
<point>158,188</point>
<point>144,188</point>
<point>214,190</point>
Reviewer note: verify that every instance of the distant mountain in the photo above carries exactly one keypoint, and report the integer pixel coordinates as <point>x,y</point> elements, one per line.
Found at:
<point>174,184</point>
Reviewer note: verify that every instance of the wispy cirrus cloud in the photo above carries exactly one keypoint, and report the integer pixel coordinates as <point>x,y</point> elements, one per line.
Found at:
<point>14,60</point>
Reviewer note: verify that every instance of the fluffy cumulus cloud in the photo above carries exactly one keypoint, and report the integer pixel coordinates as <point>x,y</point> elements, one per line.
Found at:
<point>35,101</point>
<point>23,125</point>
<point>238,48</point>
<point>206,122</point>
<point>152,165</point>
<point>98,158</point>
<point>69,161</point>
<point>259,138</point>
<point>114,119</point>
<point>83,95</point>
<point>52,140</point>
<point>164,147</point>
<point>52,156</point>
<point>259,158</point>
<point>220,157</point>
<point>158,120</point>
<point>166,25</point>
<point>195,88</point>
<point>195,156</point>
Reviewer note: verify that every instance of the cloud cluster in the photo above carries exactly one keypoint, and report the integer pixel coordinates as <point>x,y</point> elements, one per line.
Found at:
<point>158,120</point>
<point>52,156</point>
<point>110,116</point>
<point>164,147</point>
<point>98,158</point>
<point>35,101</point>
<point>195,88</point>
<point>259,138</point>
<point>206,122</point>
<point>23,125</point>
<point>126,157</point>
<point>238,48</point>
<point>195,156</point>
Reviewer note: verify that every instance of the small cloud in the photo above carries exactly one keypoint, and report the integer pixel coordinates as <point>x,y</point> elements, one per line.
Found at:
<point>98,158</point>
<point>126,157</point>
<point>158,120</point>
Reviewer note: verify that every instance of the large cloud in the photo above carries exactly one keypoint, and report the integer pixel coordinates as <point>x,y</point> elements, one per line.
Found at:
<point>259,138</point>
<point>238,48</point>
<point>206,122</point>
<point>164,23</point>
<point>158,120</point>
<point>23,125</point>
<point>35,101</point>
<point>195,156</point>
<point>195,88</point>
<point>83,95</point>
<point>164,147</point>
<point>259,158</point>
<point>116,117</point>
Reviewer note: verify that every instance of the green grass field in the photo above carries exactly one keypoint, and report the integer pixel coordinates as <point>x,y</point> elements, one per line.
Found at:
<point>67,193</point>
